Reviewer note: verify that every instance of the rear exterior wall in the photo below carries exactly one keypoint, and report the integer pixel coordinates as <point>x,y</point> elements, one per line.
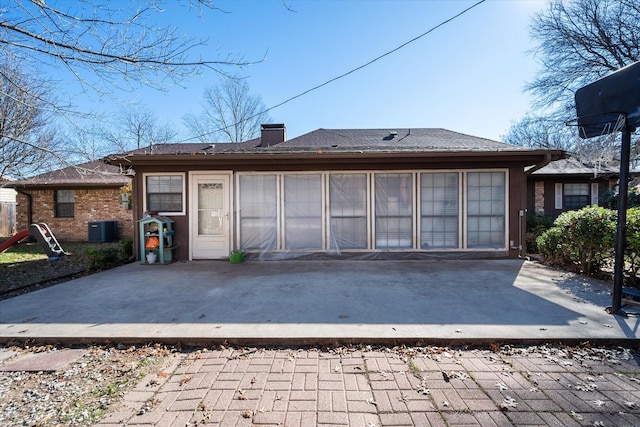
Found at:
<point>90,204</point>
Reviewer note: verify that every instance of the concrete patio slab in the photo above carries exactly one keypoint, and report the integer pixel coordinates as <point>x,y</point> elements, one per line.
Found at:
<point>319,302</point>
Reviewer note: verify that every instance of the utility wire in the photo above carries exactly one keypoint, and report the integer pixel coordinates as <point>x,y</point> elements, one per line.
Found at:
<point>286,101</point>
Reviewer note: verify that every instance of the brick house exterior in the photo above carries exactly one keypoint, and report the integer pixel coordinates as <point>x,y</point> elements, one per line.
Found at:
<point>95,190</point>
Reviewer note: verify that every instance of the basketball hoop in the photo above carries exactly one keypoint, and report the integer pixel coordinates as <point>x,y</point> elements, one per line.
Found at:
<point>605,107</point>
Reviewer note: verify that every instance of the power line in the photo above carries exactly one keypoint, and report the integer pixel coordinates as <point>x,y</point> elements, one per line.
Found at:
<point>286,101</point>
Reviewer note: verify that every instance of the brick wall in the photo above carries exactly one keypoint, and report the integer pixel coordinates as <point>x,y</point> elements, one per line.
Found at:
<point>91,204</point>
<point>539,197</point>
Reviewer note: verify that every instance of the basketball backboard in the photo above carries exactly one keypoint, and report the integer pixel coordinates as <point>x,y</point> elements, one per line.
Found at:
<point>600,104</point>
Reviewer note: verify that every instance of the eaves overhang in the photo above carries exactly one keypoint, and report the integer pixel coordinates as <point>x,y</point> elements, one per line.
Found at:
<point>324,157</point>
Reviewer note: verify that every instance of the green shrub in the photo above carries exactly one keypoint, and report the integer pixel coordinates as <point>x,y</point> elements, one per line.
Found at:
<point>536,225</point>
<point>549,244</point>
<point>632,249</point>
<point>103,258</point>
<point>584,237</point>
<point>609,199</point>
<point>590,235</point>
<point>126,249</point>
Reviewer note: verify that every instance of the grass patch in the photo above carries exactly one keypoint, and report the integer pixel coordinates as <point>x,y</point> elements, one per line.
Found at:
<point>31,251</point>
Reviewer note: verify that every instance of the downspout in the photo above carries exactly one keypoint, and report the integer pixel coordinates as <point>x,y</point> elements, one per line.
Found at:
<point>29,206</point>
<point>521,213</point>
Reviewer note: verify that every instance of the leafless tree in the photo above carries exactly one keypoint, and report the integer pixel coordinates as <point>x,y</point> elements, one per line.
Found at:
<point>230,113</point>
<point>132,128</point>
<point>27,140</point>
<point>540,132</point>
<point>105,45</point>
<point>580,41</point>
<point>137,127</point>
<point>102,42</point>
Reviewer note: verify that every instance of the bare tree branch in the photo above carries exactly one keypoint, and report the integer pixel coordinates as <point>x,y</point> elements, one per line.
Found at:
<point>229,113</point>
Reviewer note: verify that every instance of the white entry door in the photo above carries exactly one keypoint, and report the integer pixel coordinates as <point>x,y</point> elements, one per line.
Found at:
<point>209,216</point>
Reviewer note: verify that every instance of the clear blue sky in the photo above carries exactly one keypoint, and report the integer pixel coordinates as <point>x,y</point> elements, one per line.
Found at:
<point>467,76</point>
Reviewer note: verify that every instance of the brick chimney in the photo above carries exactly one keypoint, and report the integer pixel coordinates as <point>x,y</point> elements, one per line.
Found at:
<point>272,134</point>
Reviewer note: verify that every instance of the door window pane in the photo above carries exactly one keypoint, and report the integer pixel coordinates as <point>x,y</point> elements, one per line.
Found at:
<point>394,211</point>
<point>439,210</point>
<point>486,206</point>
<point>210,209</point>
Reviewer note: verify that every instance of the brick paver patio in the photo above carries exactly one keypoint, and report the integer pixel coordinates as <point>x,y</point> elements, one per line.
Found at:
<point>422,386</point>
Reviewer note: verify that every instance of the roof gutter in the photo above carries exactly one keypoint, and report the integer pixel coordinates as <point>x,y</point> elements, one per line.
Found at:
<point>543,163</point>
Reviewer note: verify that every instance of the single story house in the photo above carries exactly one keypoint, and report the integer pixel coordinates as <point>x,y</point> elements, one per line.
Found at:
<point>69,199</point>
<point>341,191</point>
<point>568,184</point>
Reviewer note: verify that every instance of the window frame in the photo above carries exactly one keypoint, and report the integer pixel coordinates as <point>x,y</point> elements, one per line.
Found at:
<point>57,204</point>
<point>145,206</point>
<point>566,197</point>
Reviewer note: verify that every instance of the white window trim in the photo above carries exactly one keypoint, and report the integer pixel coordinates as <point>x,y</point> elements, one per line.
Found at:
<point>594,194</point>
<point>184,192</point>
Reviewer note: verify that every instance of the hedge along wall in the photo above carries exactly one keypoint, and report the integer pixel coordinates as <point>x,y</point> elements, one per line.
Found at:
<point>91,204</point>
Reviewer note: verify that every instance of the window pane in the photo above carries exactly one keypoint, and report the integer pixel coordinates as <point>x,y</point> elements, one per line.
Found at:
<point>439,210</point>
<point>258,212</point>
<point>576,195</point>
<point>394,211</point>
<point>164,193</point>
<point>64,203</point>
<point>303,211</point>
<point>486,204</point>
<point>348,211</point>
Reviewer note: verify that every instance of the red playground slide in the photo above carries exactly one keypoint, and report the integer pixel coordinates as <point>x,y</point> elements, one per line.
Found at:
<point>17,238</point>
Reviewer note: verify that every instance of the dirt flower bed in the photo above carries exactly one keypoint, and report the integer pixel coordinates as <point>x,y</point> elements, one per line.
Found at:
<point>80,393</point>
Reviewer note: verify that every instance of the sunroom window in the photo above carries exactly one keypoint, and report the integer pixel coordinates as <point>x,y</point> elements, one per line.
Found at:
<point>439,210</point>
<point>258,211</point>
<point>303,211</point>
<point>486,195</point>
<point>348,211</point>
<point>393,211</point>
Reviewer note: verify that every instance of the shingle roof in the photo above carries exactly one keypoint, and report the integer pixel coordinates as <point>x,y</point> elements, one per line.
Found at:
<point>400,139</point>
<point>95,173</point>
<point>347,140</point>
<point>573,166</point>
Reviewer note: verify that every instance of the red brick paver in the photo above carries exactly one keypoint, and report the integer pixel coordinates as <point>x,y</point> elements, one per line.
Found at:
<point>422,386</point>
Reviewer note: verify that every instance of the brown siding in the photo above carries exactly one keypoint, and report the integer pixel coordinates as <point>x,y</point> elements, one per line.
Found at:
<point>517,194</point>
<point>91,204</point>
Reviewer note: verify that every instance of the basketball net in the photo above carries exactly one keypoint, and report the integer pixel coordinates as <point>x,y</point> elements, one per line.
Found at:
<point>603,149</point>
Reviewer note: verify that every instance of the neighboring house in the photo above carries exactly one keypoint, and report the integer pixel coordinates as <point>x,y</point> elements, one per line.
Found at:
<point>7,209</point>
<point>357,191</point>
<point>567,184</point>
<point>69,199</point>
